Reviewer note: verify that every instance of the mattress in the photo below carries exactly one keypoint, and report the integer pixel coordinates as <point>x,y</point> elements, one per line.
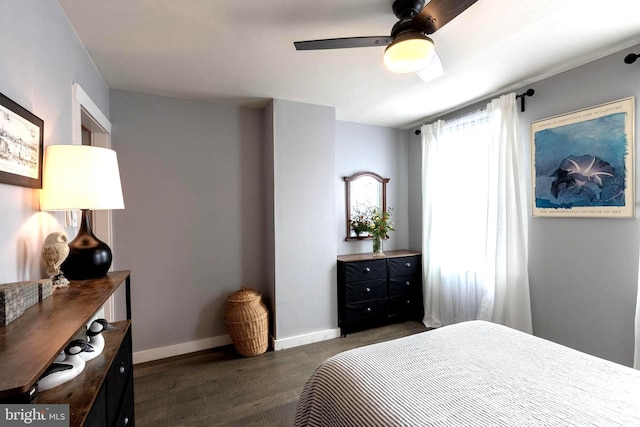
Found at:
<point>470,374</point>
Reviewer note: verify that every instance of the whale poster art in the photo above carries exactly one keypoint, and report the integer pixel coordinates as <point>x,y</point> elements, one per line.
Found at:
<point>582,162</point>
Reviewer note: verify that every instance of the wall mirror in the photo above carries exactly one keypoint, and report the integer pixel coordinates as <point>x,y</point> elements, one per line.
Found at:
<point>365,191</point>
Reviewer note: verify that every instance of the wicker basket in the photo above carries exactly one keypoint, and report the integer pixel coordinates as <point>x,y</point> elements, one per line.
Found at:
<point>247,320</point>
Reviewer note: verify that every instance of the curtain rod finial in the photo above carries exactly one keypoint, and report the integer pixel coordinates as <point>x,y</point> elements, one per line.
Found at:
<point>529,92</point>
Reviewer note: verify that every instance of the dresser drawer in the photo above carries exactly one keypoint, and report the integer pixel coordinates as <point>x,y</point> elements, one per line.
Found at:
<point>405,285</point>
<point>125,418</point>
<point>405,266</point>
<point>406,306</point>
<point>118,379</point>
<point>358,271</point>
<point>365,291</point>
<point>366,311</point>
<point>98,415</point>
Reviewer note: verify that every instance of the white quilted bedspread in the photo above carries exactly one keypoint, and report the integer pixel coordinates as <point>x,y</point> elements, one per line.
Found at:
<point>470,374</point>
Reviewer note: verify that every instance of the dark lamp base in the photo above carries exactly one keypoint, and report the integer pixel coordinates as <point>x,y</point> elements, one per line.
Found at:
<point>89,257</point>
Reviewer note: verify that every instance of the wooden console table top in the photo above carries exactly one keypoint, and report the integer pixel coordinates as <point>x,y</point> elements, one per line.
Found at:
<point>26,343</point>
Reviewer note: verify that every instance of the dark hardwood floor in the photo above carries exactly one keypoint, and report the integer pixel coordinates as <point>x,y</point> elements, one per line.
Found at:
<point>220,388</point>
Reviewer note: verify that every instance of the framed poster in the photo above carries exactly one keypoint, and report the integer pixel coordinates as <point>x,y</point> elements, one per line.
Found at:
<point>21,141</point>
<point>582,162</point>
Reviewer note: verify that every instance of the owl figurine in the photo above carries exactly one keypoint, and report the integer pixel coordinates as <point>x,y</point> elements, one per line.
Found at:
<point>54,251</point>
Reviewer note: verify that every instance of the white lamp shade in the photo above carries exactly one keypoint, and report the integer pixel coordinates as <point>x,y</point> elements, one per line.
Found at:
<point>80,177</point>
<point>409,52</point>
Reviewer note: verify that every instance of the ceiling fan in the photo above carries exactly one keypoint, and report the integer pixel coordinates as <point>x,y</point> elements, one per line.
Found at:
<point>408,48</point>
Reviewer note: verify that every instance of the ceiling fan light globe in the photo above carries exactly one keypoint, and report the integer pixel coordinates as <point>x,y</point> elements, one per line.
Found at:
<point>409,53</point>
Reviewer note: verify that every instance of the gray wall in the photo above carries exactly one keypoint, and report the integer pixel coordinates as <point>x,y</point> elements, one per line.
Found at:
<point>583,271</point>
<point>220,197</point>
<point>40,59</point>
<point>304,218</point>
<point>376,149</point>
<point>193,228</point>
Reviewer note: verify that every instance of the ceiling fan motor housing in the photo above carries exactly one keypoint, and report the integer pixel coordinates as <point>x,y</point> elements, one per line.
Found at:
<point>404,9</point>
<point>403,26</point>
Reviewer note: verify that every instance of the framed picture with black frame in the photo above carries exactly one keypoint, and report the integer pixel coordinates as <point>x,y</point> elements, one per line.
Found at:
<point>21,145</point>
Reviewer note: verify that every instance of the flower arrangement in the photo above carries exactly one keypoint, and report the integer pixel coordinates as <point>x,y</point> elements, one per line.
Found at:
<point>380,223</point>
<point>371,220</point>
<point>360,220</point>
<point>379,227</point>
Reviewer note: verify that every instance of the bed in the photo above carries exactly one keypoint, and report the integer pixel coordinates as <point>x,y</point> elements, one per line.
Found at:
<point>470,374</point>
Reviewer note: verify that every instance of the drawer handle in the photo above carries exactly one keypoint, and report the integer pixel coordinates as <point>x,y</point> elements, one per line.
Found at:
<point>408,301</point>
<point>368,290</point>
<point>408,283</point>
<point>122,369</point>
<point>367,270</point>
<point>408,265</point>
<point>125,422</point>
<point>368,309</point>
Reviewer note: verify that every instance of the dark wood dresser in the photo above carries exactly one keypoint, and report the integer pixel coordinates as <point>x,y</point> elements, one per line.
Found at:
<point>373,291</point>
<point>102,395</point>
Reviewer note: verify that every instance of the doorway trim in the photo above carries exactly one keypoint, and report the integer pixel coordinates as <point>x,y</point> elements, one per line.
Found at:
<point>85,113</point>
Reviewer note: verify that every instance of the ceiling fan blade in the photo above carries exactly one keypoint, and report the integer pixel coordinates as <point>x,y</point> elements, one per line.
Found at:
<point>433,70</point>
<point>437,13</point>
<point>343,43</point>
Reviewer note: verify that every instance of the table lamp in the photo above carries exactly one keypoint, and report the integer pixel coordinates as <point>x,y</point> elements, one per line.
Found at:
<point>86,178</point>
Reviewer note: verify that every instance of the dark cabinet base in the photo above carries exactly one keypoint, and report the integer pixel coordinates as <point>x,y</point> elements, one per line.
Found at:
<point>374,291</point>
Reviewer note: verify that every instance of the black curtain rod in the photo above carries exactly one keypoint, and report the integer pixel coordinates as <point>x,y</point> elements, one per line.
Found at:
<point>529,92</point>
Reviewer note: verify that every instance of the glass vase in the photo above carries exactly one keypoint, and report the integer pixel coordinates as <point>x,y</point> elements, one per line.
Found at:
<point>377,246</point>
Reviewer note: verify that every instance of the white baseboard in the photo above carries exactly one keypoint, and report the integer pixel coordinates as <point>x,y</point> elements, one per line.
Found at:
<point>205,344</point>
<point>285,343</point>
<point>180,349</point>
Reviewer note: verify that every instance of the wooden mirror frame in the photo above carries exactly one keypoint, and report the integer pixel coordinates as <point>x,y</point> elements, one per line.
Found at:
<point>348,181</point>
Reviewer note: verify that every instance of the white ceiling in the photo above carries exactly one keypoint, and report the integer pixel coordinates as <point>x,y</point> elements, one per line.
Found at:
<point>242,53</point>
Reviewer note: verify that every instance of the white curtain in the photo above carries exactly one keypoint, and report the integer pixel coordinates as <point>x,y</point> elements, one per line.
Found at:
<point>475,219</point>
